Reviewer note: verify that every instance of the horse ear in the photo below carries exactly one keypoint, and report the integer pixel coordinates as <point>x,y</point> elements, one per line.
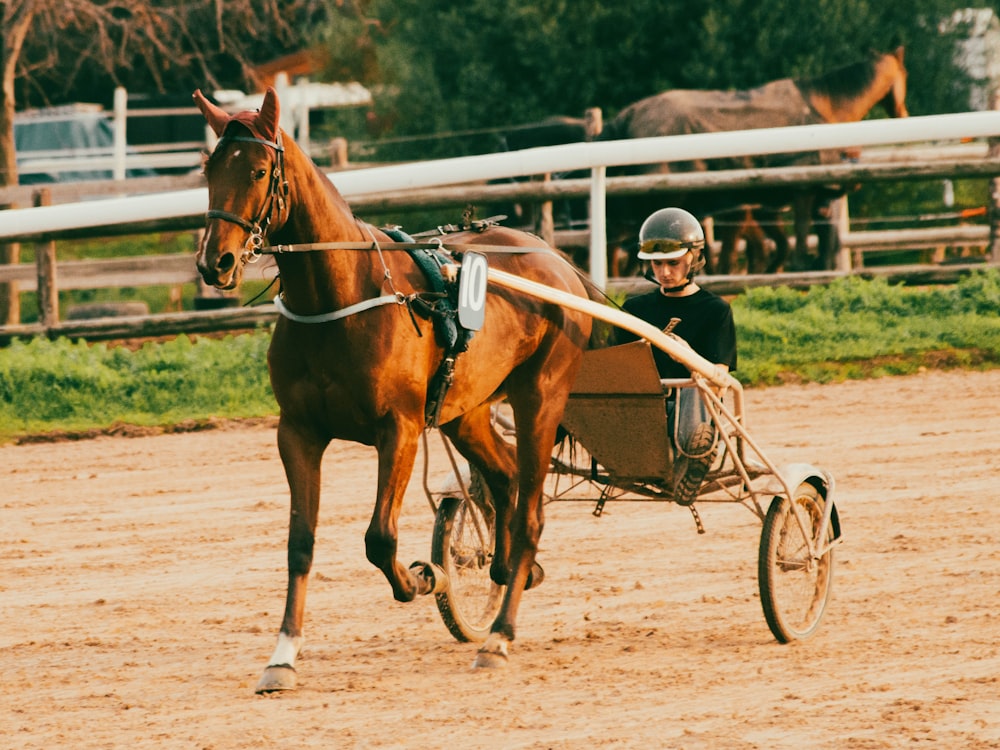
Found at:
<point>217,118</point>
<point>269,115</point>
<point>898,52</point>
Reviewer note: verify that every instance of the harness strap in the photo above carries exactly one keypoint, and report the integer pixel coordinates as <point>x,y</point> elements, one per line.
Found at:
<point>214,213</point>
<point>344,312</point>
<point>251,139</point>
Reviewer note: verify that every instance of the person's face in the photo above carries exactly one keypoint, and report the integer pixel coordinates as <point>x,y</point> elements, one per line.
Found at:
<point>673,272</point>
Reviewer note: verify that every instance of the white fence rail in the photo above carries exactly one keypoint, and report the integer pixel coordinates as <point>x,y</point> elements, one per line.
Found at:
<point>596,156</point>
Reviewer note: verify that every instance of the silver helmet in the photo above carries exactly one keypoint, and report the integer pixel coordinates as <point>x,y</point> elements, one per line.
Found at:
<point>670,233</point>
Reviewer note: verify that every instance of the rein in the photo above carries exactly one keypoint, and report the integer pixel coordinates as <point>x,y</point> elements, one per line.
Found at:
<point>435,244</point>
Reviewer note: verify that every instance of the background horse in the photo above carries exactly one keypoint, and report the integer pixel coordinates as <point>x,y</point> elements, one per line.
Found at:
<point>846,94</point>
<point>367,377</point>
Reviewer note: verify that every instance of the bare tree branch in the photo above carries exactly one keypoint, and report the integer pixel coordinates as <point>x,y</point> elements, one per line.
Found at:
<point>48,48</point>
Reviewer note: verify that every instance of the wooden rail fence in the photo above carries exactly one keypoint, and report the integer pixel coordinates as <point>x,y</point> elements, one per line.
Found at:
<point>48,276</point>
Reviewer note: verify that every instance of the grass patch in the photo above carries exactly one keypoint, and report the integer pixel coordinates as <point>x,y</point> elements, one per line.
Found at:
<point>851,329</point>
<point>74,386</point>
<point>858,328</point>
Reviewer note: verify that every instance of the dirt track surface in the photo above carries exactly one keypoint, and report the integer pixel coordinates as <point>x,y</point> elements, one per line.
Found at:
<point>143,582</point>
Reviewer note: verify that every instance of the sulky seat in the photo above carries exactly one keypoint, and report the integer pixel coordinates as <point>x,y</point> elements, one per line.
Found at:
<point>617,411</point>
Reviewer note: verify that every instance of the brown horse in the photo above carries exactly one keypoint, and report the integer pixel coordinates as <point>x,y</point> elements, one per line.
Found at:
<point>367,376</point>
<point>846,94</point>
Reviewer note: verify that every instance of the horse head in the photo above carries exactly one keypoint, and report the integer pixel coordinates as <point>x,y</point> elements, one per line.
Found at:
<point>894,102</point>
<point>247,188</point>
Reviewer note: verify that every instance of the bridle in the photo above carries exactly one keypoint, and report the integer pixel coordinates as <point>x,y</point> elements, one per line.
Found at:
<point>276,193</point>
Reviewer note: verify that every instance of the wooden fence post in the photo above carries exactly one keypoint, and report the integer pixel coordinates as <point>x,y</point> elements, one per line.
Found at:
<point>992,153</point>
<point>594,117</point>
<point>10,294</point>
<point>45,260</point>
<point>841,226</point>
<point>302,135</point>
<point>708,227</point>
<point>120,150</point>
<point>338,152</point>
<point>546,222</point>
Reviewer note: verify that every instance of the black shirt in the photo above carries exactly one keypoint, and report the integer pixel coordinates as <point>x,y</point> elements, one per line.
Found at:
<point>706,323</point>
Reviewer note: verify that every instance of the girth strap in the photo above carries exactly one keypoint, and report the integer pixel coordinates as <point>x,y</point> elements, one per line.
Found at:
<point>343,312</point>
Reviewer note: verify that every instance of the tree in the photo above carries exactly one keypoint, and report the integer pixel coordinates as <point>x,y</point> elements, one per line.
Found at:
<point>486,64</point>
<point>51,49</point>
<point>482,63</point>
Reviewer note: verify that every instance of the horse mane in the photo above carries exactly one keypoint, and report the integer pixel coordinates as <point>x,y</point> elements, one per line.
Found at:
<point>328,185</point>
<point>844,82</point>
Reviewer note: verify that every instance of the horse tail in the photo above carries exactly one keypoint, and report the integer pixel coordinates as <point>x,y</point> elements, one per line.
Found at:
<point>601,333</point>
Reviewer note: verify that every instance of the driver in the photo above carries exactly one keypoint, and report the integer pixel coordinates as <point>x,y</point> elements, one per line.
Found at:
<point>672,241</point>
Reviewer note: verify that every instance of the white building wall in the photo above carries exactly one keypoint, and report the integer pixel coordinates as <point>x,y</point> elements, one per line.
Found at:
<point>978,51</point>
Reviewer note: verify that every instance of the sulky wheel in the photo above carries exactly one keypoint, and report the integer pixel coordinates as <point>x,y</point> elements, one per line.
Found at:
<point>463,545</point>
<point>794,588</point>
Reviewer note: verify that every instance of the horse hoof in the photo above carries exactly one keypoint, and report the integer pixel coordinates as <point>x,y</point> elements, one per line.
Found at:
<point>275,679</point>
<point>493,654</point>
<point>490,660</point>
<point>536,577</point>
<point>430,578</point>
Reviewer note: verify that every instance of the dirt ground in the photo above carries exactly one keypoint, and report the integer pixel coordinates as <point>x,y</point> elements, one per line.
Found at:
<point>143,581</point>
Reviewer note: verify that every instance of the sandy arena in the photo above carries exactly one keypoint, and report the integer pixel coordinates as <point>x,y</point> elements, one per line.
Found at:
<point>143,582</point>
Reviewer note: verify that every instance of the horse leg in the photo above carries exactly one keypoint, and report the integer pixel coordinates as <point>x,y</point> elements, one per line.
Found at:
<point>827,234</point>
<point>802,208</point>
<point>781,248</point>
<point>396,443</point>
<point>743,225</point>
<point>727,233</point>
<point>476,439</point>
<point>537,419</point>
<point>774,228</point>
<point>301,454</point>
<point>754,235</point>
<point>720,263</point>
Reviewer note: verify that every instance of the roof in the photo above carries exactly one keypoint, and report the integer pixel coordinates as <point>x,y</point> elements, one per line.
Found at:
<point>308,62</point>
<point>309,94</point>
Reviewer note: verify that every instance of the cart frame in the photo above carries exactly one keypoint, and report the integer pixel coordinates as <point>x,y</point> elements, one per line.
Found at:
<point>619,400</point>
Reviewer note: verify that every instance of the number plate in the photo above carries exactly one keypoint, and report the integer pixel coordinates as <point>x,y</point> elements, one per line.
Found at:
<point>472,291</point>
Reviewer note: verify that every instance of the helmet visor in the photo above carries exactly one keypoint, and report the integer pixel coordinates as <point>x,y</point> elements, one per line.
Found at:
<point>667,249</point>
